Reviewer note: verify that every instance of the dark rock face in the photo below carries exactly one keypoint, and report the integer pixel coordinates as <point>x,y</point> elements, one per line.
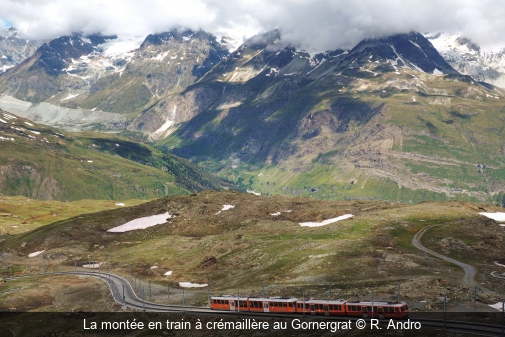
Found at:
<point>54,56</point>
<point>216,51</point>
<point>412,50</point>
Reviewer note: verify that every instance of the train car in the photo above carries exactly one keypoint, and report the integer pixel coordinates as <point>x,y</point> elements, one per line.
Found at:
<point>258,304</point>
<point>230,303</point>
<point>377,309</point>
<point>272,304</point>
<point>321,307</point>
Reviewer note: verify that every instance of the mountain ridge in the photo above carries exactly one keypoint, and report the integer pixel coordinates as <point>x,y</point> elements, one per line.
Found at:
<point>386,119</point>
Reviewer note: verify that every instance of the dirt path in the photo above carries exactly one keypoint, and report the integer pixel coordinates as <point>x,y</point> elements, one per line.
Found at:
<point>469,277</point>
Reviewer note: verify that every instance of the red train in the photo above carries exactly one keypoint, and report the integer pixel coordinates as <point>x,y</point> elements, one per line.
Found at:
<point>312,307</point>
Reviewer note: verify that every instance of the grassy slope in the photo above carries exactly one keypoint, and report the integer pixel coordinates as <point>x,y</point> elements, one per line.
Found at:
<point>71,167</point>
<point>246,246</point>
<point>21,214</point>
<point>449,125</point>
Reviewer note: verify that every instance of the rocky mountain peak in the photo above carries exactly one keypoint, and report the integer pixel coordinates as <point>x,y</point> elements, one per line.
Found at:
<point>411,50</point>
<point>14,50</point>
<point>483,64</point>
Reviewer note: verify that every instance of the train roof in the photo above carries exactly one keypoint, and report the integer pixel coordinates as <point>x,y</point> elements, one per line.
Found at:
<point>273,299</point>
<point>228,297</point>
<point>315,301</point>
<point>264,299</point>
<point>376,303</point>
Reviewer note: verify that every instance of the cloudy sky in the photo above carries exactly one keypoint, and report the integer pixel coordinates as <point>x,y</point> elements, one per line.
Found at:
<point>313,24</point>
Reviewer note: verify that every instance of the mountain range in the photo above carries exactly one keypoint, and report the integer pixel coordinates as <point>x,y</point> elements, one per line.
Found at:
<point>395,118</point>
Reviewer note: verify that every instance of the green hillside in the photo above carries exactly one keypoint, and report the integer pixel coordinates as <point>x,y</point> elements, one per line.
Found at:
<point>403,135</point>
<point>42,163</point>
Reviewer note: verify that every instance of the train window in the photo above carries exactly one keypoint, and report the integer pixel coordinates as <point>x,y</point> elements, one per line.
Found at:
<point>359,308</point>
<point>290,305</point>
<point>330,307</point>
<point>353,308</point>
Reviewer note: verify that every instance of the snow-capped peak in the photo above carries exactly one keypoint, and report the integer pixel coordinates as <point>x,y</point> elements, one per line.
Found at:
<point>485,64</point>
<point>121,45</point>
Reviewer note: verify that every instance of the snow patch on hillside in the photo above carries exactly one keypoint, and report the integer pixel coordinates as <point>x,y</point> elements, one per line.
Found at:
<point>326,222</point>
<point>36,253</point>
<point>225,208</point>
<point>141,223</point>
<point>498,216</point>
<point>91,265</point>
<point>498,306</point>
<point>253,192</point>
<point>192,285</point>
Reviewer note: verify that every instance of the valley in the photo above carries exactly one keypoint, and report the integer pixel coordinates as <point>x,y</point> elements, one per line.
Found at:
<point>269,170</point>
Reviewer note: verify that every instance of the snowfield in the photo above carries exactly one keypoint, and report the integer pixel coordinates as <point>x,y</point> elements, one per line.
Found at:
<point>498,216</point>
<point>91,265</point>
<point>192,285</point>
<point>36,253</point>
<point>225,208</point>
<point>326,222</point>
<point>141,223</point>
<point>498,306</point>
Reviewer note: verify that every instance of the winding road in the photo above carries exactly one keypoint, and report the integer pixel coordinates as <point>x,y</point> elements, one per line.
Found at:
<point>469,277</point>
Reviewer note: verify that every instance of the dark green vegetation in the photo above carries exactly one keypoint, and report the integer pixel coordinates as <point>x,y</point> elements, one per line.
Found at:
<point>41,163</point>
<point>246,246</point>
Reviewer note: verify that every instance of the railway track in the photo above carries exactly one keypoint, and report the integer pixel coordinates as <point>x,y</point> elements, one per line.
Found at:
<point>129,299</point>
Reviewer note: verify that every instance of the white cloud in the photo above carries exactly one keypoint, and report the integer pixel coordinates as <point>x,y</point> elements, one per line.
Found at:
<point>318,24</point>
